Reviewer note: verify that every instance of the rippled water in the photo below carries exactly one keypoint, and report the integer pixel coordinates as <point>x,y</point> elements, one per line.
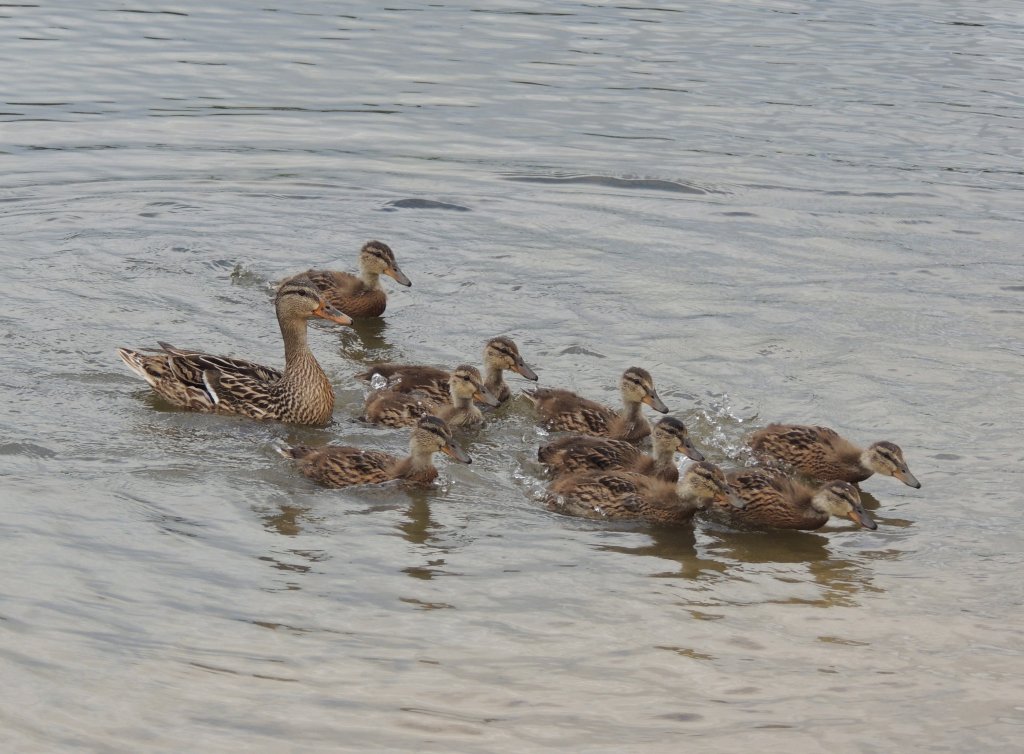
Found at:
<point>785,211</point>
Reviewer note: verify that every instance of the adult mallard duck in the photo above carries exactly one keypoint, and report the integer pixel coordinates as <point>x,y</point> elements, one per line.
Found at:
<point>500,354</point>
<point>576,453</point>
<point>394,409</point>
<point>301,394</point>
<point>820,453</point>
<point>342,466</point>
<point>360,295</point>
<point>773,500</point>
<point>625,495</point>
<point>563,410</point>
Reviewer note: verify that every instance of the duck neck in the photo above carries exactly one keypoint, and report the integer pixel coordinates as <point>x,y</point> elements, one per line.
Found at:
<point>631,413</point>
<point>494,379</point>
<point>297,356</point>
<point>370,278</point>
<point>461,402</point>
<point>664,454</point>
<point>419,460</point>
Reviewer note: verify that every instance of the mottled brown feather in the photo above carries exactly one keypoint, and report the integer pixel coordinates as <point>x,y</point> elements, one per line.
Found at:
<point>771,500</point>
<point>620,495</point>
<point>815,452</point>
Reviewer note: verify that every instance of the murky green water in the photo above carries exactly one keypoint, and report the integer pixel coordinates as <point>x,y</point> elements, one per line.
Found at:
<point>785,211</point>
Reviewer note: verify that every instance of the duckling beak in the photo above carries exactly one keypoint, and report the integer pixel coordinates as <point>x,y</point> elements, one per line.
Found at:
<point>652,400</point>
<point>330,313</point>
<point>398,275</point>
<point>484,395</point>
<point>454,450</point>
<point>736,501</point>
<point>687,449</point>
<point>525,371</point>
<point>907,478</point>
<point>860,516</point>
<point>722,497</point>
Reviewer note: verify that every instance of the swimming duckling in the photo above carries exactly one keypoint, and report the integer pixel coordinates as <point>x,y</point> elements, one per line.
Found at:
<point>576,453</point>
<point>820,453</point>
<point>394,409</point>
<point>625,495</point>
<point>338,466</point>
<point>770,499</point>
<point>500,354</point>
<point>360,295</point>
<point>301,394</point>
<point>564,410</point>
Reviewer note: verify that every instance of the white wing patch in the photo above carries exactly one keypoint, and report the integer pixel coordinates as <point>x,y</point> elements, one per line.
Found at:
<point>209,388</point>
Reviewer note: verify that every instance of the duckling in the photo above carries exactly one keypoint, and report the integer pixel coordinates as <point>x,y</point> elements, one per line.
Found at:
<point>576,453</point>
<point>624,495</point>
<point>199,381</point>
<point>820,453</point>
<point>360,295</point>
<point>563,410</point>
<point>500,354</point>
<point>770,499</point>
<point>343,466</point>
<point>394,409</point>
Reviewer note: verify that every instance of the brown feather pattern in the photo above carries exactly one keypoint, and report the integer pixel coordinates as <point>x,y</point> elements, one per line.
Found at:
<point>816,452</point>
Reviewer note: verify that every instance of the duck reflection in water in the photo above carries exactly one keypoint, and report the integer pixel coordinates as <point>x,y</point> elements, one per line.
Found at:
<point>420,529</point>
<point>364,342</point>
<point>676,544</point>
<point>809,554</point>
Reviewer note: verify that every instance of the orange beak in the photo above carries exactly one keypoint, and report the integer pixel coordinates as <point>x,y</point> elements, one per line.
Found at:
<point>687,449</point>
<point>525,371</point>
<point>398,276</point>
<point>861,518</point>
<point>331,314</point>
<point>652,400</point>
<point>484,395</point>
<point>457,453</point>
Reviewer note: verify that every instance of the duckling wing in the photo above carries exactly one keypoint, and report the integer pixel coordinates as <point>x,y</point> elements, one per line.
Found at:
<point>792,443</point>
<point>394,409</point>
<point>585,452</point>
<point>409,378</point>
<point>344,466</point>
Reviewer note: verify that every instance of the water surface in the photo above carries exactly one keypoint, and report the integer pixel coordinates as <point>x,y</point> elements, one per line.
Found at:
<point>784,211</point>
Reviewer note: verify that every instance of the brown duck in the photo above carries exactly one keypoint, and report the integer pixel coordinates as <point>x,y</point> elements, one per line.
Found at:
<point>563,410</point>
<point>576,453</point>
<point>820,453</point>
<point>342,466</point>
<point>500,354</point>
<point>199,381</point>
<point>360,295</point>
<point>627,495</point>
<point>772,500</point>
<point>393,409</point>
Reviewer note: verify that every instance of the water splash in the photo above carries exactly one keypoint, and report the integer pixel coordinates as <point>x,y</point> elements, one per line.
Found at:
<point>721,427</point>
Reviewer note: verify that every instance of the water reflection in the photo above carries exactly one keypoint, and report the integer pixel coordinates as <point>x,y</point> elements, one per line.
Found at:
<point>677,544</point>
<point>364,341</point>
<point>284,521</point>
<point>841,579</point>
<point>418,529</point>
